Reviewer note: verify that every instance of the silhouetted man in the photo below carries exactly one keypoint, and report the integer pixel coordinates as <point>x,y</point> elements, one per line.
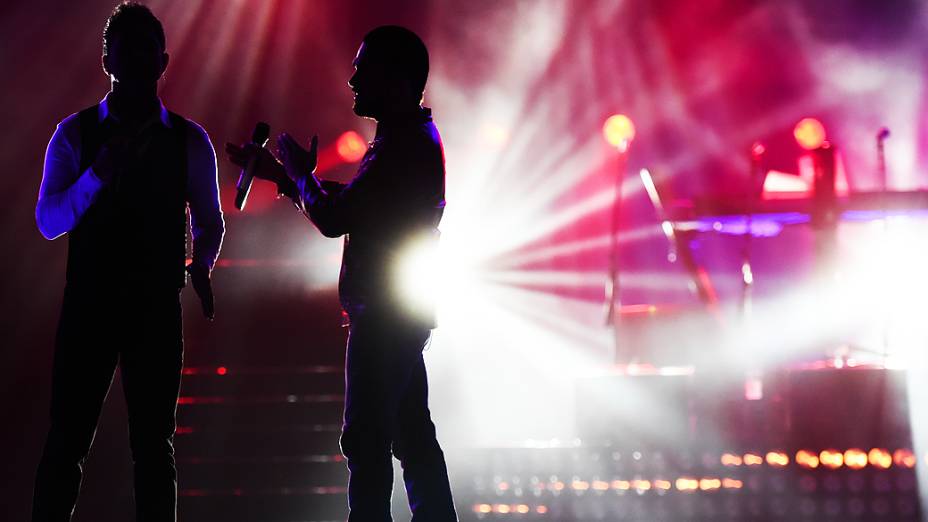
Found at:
<point>118,180</point>
<point>396,199</point>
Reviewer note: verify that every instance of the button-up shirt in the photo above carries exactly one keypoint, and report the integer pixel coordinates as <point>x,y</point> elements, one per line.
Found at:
<point>66,193</point>
<point>397,195</point>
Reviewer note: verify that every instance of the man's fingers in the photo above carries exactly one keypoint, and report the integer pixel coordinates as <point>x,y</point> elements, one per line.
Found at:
<point>290,143</point>
<point>203,288</point>
<point>209,303</point>
<point>207,298</point>
<point>237,155</point>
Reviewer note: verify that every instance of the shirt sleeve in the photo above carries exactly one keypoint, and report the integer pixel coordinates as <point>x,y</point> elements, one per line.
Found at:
<point>206,222</point>
<point>387,185</point>
<point>334,209</point>
<point>65,194</point>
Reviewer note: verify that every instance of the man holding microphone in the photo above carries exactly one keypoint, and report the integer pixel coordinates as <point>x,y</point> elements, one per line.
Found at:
<point>396,199</point>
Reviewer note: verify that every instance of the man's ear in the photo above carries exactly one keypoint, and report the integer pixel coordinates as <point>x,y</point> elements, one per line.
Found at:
<point>103,61</point>
<point>165,58</point>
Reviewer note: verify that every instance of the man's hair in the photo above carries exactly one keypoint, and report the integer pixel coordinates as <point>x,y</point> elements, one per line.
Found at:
<point>402,50</point>
<point>130,17</point>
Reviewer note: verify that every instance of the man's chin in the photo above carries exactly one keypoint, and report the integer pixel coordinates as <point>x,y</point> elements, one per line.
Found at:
<point>362,110</point>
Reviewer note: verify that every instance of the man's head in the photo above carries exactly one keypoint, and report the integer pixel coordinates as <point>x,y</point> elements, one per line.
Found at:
<point>391,68</point>
<point>133,46</point>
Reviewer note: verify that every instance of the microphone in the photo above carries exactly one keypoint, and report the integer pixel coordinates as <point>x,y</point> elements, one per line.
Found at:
<point>882,134</point>
<point>258,137</point>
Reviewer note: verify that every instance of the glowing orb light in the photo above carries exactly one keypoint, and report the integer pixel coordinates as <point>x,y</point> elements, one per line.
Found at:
<point>809,133</point>
<point>351,146</point>
<point>619,131</point>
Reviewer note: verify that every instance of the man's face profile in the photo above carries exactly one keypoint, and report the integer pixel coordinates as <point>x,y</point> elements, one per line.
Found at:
<point>367,84</point>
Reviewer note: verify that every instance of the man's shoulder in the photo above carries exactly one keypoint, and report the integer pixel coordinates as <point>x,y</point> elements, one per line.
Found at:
<point>69,129</point>
<point>420,136</point>
<point>196,133</point>
<point>73,121</point>
<point>70,124</point>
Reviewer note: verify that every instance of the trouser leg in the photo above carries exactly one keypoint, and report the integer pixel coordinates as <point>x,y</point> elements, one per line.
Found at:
<point>416,446</point>
<point>151,365</point>
<point>379,362</point>
<point>84,362</point>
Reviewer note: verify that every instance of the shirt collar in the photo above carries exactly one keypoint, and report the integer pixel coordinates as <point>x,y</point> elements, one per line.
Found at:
<point>103,111</point>
<point>417,116</point>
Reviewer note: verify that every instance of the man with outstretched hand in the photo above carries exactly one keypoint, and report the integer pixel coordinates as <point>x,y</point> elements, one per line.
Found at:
<point>396,200</point>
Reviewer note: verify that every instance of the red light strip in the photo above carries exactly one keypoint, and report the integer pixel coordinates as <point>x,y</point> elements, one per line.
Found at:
<point>262,370</point>
<point>274,399</point>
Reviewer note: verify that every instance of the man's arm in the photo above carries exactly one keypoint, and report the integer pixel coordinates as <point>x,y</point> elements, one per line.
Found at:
<point>64,194</point>
<point>333,206</point>
<point>389,183</point>
<point>206,221</point>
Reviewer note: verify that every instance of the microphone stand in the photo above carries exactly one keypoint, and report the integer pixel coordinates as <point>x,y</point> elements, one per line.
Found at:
<point>884,185</point>
<point>613,297</point>
<point>753,193</point>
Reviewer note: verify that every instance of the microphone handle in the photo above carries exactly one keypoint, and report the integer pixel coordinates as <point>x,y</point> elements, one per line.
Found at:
<point>243,187</point>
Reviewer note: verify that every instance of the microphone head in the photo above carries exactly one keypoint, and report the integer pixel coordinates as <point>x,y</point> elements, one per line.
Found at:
<point>883,133</point>
<point>261,133</point>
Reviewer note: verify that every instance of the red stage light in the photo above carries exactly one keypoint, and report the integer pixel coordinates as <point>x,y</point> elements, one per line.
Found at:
<point>730,483</point>
<point>809,133</point>
<point>832,459</point>
<point>730,459</point>
<point>351,146</point>
<point>880,458</point>
<point>807,459</point>
<point>904,458</point>
<point>752,459</point>
<point>777,459</point>
<point>619,131</point>
<point>221,370</point>
<point>855,458</point>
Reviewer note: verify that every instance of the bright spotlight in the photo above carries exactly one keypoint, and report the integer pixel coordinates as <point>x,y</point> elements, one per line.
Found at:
<point>619,131</point>
<point>809,133</point>
<point>351,147</point>
<point>419,275</point>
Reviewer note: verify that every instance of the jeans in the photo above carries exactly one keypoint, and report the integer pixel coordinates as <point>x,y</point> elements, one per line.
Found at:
<point>386,415</point>
<point>141,332</point>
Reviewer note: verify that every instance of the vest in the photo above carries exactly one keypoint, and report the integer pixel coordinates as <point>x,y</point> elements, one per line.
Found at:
<point>135,234</point>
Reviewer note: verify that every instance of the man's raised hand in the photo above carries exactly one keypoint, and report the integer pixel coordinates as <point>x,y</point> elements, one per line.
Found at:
<point>112,159</point>
<point>268,167</point>
<point>298,162</point>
